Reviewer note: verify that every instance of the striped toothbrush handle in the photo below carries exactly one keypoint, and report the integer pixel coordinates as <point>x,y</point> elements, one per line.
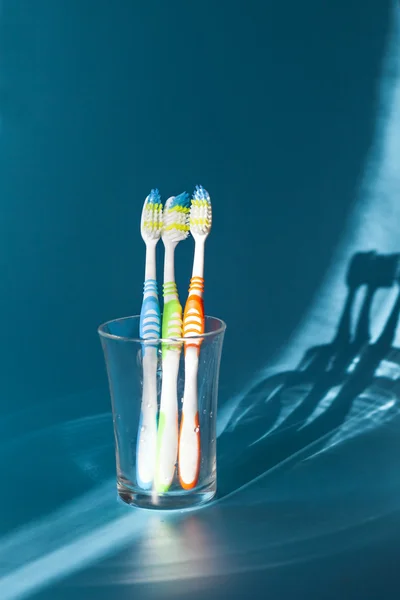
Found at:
<point>167,437</point>
<point>189,438</point>
<point>150,317</point>
<point>172,315</point>
<point>150,328</point>
<point>193,318</point>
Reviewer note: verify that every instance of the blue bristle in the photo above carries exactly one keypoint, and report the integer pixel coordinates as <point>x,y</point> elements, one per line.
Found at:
<point>181,200</point>
<point>200,193</point>
<point>154,197</point>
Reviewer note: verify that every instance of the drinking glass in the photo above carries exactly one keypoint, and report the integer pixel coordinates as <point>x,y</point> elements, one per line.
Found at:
<point>135,374</point>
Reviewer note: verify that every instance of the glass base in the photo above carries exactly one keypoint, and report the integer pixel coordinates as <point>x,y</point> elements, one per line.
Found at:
<point>179,500</point>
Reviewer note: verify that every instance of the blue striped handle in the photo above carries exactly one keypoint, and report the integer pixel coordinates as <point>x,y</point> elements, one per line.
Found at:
<point>150,316</point>
<point>149,328</point>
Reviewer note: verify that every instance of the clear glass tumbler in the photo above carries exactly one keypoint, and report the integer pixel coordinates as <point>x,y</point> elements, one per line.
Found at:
<point>160,462</point>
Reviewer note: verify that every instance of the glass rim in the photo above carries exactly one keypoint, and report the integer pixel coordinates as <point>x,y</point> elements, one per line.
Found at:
<point>151,341</point>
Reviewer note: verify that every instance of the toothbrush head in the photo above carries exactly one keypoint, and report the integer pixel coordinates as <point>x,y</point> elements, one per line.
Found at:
<point>176,218</point>
<point>200,213</point>
<point>152,217</point>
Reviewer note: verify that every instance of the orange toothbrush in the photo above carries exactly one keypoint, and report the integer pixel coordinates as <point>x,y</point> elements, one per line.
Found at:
<point>193,326</point>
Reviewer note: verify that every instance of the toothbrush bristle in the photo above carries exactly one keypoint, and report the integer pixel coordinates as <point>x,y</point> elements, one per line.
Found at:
<point>176,217</point>
<point>152,216</point>
<point>181,200</point>
<point>200,212</point>
<point>154,197</point>
<point>201,194</point>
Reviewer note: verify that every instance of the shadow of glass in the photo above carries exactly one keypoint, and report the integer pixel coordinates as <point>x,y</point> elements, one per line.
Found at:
<point>329,392</point>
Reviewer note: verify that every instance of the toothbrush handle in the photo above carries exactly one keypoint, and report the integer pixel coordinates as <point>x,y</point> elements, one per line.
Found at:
<point>193,318</point>
<point>167,435</point>
<point>189,434</point>
<point>150,317</point>
<point>189,437</point>
<point>147,434</point>
<point>150,327</point>
<point>172,316</point>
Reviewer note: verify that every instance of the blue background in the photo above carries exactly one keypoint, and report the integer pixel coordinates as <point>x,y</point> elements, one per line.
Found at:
<point>272,106</point>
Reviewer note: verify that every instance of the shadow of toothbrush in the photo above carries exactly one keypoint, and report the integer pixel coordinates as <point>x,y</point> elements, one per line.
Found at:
<point>379,272</point>
<point>298,408</point>
<point>317,365</point>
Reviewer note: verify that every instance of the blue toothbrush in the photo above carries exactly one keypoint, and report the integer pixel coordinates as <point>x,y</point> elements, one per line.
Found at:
<point>150,328</point>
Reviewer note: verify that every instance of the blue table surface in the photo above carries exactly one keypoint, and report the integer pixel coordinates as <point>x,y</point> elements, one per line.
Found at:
<point>311,520</point>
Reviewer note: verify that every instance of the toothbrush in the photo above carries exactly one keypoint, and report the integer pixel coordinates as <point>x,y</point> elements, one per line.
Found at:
<point>150,328</point>
<point>175,229</point>
<point>193,325</point>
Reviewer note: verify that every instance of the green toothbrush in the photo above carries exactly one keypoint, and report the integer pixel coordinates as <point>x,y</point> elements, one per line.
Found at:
<point>175,229</point>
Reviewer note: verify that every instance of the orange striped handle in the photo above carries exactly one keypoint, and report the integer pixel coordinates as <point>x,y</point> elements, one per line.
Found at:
<point>195,449</point>
<point>193,317</point>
